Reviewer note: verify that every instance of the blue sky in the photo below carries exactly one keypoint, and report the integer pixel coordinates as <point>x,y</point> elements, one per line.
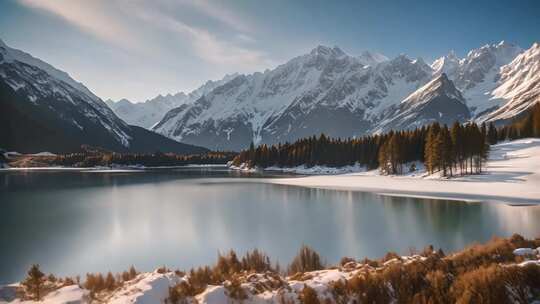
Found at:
<point>138,49</point>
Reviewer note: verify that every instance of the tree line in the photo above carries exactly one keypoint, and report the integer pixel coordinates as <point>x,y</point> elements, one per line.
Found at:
<point>459,149</point>
<point>527,126</point>
<point>93,158</point>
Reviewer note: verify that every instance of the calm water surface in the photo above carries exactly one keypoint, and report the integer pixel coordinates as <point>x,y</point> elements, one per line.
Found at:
<point>77,222</point>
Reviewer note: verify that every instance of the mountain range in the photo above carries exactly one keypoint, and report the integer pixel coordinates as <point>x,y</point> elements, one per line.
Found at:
<point>323,91</point>
<point>44,109</point>
<point>341,95</point>
<point>148,113</point>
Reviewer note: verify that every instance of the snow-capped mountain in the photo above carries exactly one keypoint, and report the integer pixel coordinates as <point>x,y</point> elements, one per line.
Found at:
<point>370,58</point>
<point>519,85</point>
<point>325,90</point>
<point>145,114</point>
<point>478,75</point>
<point>148,113</point>
<point>329,91</point>
<point>437,101</point>
<point>44,109</point>
<point>447,64</point>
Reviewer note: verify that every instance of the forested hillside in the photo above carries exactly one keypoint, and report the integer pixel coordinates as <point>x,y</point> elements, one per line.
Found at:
<point>458,149</point>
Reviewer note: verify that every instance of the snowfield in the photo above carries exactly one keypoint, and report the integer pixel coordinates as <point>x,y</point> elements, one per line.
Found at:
<point>512,176</point>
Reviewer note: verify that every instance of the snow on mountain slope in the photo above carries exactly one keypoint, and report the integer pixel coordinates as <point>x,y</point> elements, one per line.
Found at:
<point>520,85</point>
<point>447,64</point>
<point>329,91</point>
<point>40,82</point>
<point>437,101</point>
<point>44,109</point>
<point>370,58</point>
<point>148,113</point>
<point>145,114</point>
<point>10,55</point>
<point>478,75</point>
<point>323,91</point>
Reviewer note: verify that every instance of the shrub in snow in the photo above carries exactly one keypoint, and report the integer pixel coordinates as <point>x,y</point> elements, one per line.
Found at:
<point>369,288</point>
<point>308,295</point>
<point>339,291</point>
<point>346,260</point>
<point>182,291</point>
<point>257,261</point>
<point>235,290</point>
<point>110,282</point>
<point>488,273</point>
<point>497,284</point>
<point>307,259</point>
<point>130,274</point>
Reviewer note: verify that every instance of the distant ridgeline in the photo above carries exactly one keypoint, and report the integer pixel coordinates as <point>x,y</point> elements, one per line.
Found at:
<point>460,149</point>
<point>92,157</point>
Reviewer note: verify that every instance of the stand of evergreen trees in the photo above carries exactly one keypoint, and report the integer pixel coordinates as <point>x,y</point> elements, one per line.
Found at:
<point>528,126</point>
<point>460,149</point>
<point>92,159</point>
<point>463,146</point>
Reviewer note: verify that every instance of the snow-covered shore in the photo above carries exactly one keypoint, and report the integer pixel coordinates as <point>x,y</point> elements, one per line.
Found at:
<point>266,287</point>
<point>512,176</point>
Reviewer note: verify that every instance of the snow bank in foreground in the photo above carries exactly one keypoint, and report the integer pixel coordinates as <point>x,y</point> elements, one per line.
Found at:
<point>512,176</point>
<point>72,294</point>
<point>146,288</point>
<point>153,287</point>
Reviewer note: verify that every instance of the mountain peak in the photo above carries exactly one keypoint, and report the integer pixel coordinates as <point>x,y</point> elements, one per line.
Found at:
<point>323,50</point>
<point>443,84</point>
<point>370,58</point>
<point>438,86</point>
<point>419,60</point>
<point>445,64</point>
<point>447,87</point>
<point>123,101</point>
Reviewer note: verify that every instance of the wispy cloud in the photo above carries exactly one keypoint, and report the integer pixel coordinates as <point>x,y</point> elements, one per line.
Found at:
<point>90,16</point>
<point>206,45</point>
<point>220,13</point>
<point>113,22</point>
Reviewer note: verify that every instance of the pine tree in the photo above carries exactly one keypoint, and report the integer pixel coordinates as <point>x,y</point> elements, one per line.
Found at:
<point>110,282</point>
<point>432,147</point>
<point>34,282</point>
<point>492,134</point>
<point>384,162</point>
<point>535,112</point>
<point>484,147</point>
<point>395,151</point>
<point>445,150</point>
<point>458,142</point>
